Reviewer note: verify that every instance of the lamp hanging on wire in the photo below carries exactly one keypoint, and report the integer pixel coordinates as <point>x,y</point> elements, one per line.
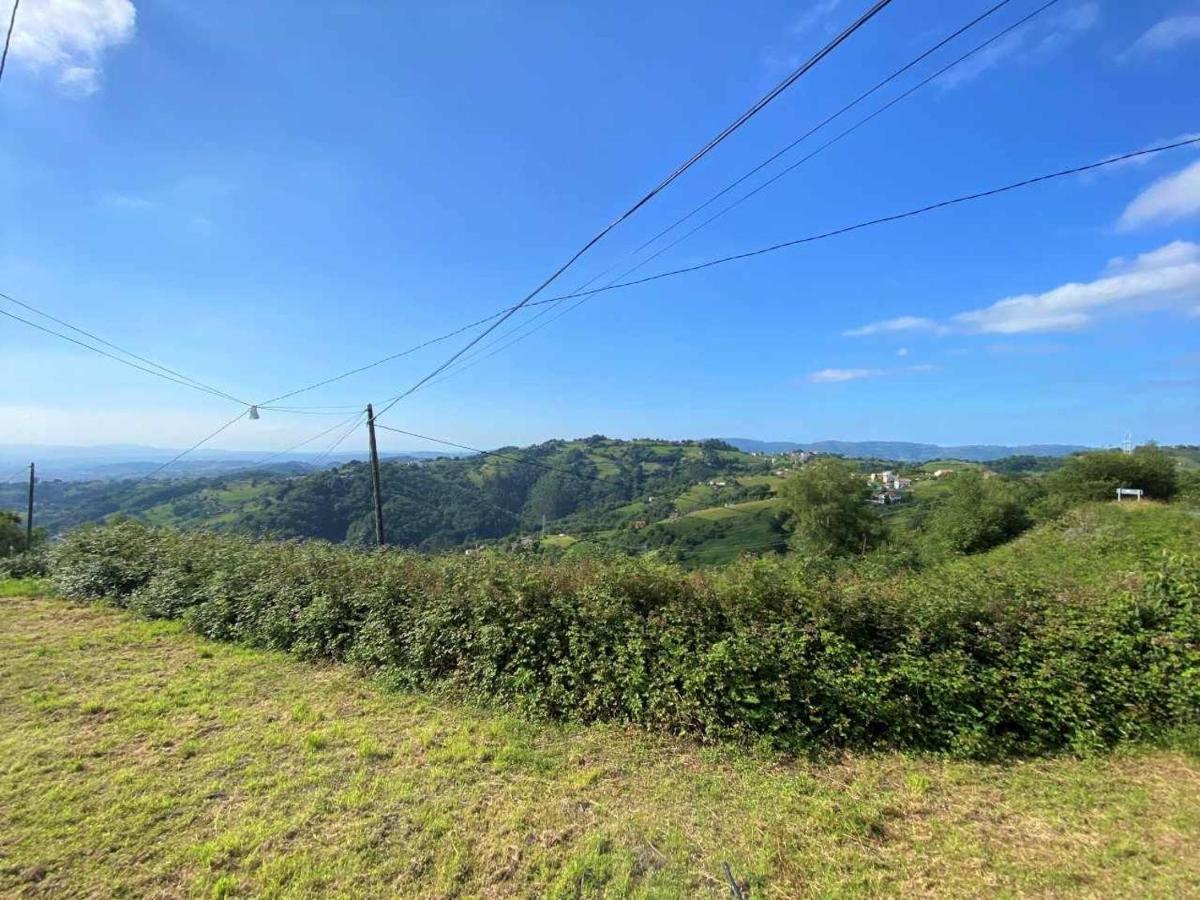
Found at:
<point>253,414</point>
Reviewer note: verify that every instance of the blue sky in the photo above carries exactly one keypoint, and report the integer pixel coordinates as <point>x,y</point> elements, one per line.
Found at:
<point>262,195</point>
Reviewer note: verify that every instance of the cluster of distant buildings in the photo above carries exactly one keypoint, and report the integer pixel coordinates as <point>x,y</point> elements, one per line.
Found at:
<point>888,487</point>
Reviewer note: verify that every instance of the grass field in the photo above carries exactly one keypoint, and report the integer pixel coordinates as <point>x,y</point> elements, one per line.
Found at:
<point>139,760</point>
<point>736,510</point>
<point>559,541</point>
<point>220,506</point>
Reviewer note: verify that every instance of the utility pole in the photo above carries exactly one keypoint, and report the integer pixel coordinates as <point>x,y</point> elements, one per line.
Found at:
<point>29,514</point>
<point>375,489</point>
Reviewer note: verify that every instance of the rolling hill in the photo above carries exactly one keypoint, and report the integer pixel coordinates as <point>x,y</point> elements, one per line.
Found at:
<point>581,485</point>
<point>117,461</point>
<point>695,502</point>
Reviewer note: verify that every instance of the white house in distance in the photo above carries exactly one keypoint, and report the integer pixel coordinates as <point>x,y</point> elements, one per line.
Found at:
<point>890,481</point>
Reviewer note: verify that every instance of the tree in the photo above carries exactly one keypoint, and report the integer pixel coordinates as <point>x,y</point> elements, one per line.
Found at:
<point>12,534</point>
<point>1096,476</point>
<point>977,513</point>
<point>828,510</point>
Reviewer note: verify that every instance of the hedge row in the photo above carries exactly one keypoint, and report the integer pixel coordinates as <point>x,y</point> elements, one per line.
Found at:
<point>984,663</point>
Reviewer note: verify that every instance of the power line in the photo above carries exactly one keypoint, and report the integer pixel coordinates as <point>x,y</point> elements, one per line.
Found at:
<point>305,442</point>
<point>1063,173</point>
<point>611,286</point>
<point>582,296</point>
<point>161,371</point>
<point>358,420</point>
<point>452,484</point>
<point>696,157</point>
<point>186,380</point>
<point>853,103</point>
<point>845,133</point>
<point>335,409</point>
<point>301,411</point>
<point>119,359</point>
<point>9,479</point>
<point>502,314</point>
<point>177,377</point>
<point>167,373</point>
<point>190,449</point>
<point>386,359</point>
<point>158,370</point>
<point>475,495</point>
<point>749,254</point>
<point>196,446</point>
<point>497,320</point>
<point>915,61</point>
<point>8,37</point>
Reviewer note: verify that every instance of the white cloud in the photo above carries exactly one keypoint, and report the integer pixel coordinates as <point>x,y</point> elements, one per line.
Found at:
<point>901,323</point>
<point>1166,35</point>
<point>1154,280</point>
<point>69,37</point>
<point>1169,199</point>
<point>785,56</point>
<point>79,81</point>
<point>1034,42</point>
<point>1165,278</point>
<point>903,351</point>
<point>817,10</point>
<point>1172,254</point>
<point>830,375</point>
<point>990,56</point>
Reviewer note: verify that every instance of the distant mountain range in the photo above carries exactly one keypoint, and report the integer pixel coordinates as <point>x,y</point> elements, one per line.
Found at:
<point>905,451</point>
<point>114,461</point>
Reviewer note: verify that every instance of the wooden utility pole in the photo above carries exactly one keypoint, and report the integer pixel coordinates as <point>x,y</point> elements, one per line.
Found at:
<point>29,514</point>
<point>375,488</point>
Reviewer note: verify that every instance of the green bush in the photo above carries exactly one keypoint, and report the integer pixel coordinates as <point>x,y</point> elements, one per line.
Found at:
<point>1189,488</point>
<point>976,514</point>
<point>24,565</point>
<point>971,659</point>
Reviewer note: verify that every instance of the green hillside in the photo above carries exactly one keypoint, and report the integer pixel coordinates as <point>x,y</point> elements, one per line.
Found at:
<point>579,486</point>
<point>694,502</point>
